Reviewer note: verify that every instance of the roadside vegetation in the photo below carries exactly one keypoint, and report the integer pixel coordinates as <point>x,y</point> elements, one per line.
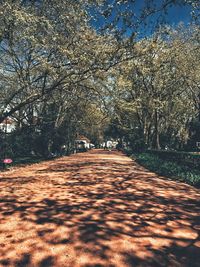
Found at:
<point>181,166</point>
<point>89,68</point>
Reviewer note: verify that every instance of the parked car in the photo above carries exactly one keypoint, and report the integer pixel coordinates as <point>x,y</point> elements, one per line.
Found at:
<point>81,146</point>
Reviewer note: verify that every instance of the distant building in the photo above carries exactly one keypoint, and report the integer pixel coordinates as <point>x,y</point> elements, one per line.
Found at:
<point>109,144</point>
<point>82,143</point>
<point>8,125</point>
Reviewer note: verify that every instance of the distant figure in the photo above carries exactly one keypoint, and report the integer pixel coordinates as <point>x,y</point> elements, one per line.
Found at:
<point>63,150</point>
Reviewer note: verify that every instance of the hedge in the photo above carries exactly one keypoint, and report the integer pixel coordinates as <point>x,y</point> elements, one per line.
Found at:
<point>169,168</point>
<point>189,159</point>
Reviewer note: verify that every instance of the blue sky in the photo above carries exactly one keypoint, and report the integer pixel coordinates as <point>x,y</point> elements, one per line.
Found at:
<point>175,14</point>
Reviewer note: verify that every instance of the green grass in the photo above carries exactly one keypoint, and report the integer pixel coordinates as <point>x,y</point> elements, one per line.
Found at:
<point>27,160</point>
<point>24,161</point>
<point>169,168</point>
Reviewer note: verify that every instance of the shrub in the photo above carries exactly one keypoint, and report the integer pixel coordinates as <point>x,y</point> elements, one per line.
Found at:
<point>187,158</point>
<point>169,168</point>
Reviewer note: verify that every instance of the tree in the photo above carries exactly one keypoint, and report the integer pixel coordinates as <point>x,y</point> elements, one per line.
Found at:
<point>58,62</point>
<point>44,49</point>
<point>152,90</point>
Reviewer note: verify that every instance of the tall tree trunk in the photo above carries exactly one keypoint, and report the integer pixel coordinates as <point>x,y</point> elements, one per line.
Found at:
<point>199,107</point>
<point>145,132</point>
<point>157,135</point>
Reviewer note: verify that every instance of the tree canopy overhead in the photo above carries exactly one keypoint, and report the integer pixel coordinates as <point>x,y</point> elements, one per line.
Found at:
<point>77,66</point>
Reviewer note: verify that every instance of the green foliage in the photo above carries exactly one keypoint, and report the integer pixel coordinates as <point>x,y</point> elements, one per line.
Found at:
<point>60,76</point>
<point>186,158</point>
<point>158,90</point>
<point>169,168</point>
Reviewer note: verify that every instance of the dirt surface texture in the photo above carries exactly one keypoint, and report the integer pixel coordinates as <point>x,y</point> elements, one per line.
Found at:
<point>96,209</point>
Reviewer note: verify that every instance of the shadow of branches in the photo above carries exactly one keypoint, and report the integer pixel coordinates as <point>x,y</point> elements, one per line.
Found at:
<point>97,209</point>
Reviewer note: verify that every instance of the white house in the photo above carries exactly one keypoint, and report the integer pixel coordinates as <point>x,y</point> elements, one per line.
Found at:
<point>8,125</point>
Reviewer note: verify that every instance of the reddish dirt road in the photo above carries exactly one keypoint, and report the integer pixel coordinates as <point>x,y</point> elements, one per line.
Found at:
<point>96,209</point>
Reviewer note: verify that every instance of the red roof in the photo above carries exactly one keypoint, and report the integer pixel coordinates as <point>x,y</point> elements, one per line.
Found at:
<point>8,121</point>
<point>82,137</point>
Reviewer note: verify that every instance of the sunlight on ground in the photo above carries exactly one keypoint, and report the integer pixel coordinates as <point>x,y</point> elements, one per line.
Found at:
<point>96,209</point>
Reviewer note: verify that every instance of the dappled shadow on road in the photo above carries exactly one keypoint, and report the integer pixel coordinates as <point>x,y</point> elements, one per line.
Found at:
<point>97,209</point>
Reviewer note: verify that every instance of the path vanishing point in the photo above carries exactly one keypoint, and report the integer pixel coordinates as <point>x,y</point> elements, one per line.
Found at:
<point>96,209</point>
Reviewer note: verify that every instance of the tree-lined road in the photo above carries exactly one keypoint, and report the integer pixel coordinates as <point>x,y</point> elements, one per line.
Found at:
<point>98,208</point>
